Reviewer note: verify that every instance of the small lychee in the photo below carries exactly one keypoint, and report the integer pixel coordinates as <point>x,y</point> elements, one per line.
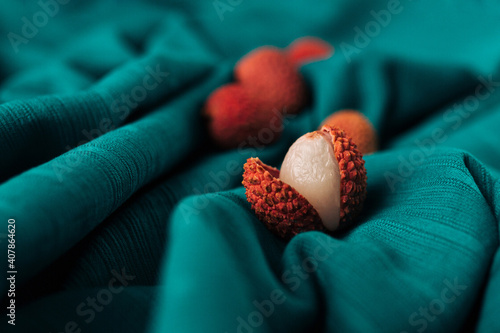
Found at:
<point>234,117</point>
<point>357,126</point>
<point>308,49</point>
<point>321,185</point>
<point>272,79</point>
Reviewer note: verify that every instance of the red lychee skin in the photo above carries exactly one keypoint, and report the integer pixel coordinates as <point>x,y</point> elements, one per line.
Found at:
<point>352,175</point>
<point>235,118</point>
<point>285,211</point>
<point>308,49</point>
<point>273,80</point>
<point>357,126</point>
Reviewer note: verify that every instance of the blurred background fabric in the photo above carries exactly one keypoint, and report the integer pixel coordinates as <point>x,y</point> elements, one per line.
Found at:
<point>128,219</point>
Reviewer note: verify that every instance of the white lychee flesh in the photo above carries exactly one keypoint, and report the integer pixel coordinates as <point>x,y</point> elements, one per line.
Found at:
<point>311,168</point>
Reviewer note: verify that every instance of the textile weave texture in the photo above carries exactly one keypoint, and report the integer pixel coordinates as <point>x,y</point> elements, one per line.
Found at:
<point>128,218</point>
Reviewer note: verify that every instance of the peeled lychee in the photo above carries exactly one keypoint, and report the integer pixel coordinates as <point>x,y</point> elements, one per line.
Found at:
<point>357,126</point>
<point>273,80</point>
<point>311,168</point>
<point>308,49</point>
<point>321,185</point>
<point>236,118</point>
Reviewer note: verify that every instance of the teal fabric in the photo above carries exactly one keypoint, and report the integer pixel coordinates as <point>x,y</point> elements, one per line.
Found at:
<point>128,219</point>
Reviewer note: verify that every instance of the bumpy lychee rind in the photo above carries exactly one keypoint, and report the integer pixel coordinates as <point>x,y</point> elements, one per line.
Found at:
<point>235,118</point>
<point>285,211</point>
<point>352,175</point>
<point>273,80</point>
<point>278,205</point>
<point>357,126</point>
<point>308,49</point>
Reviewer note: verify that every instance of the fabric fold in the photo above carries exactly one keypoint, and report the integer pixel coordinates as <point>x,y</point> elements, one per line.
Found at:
<point>122,201</point>
<point>402,232</point>
<point>73,193</point>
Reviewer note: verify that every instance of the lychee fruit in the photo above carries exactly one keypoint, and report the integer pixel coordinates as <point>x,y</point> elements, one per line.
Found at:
<point>357,126</point>
<point>308,49</point>
<point>321,185</point>
<point>235,117</point>
<point>273,80</point>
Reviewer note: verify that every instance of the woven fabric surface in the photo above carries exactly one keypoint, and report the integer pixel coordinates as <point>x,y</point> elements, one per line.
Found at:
<point>128,218</point>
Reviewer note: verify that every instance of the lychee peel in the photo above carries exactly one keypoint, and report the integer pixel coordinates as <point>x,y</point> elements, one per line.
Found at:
<point>352,174</point>
<point>285,211</point>
<point>279,206</point>
<point>272,80</point>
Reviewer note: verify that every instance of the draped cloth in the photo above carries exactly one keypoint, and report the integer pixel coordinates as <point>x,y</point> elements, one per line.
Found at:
<point>128,218</point>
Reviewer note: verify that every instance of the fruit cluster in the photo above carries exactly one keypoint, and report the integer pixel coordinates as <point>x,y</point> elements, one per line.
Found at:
<point>268,85</point>
<point>322,182</point>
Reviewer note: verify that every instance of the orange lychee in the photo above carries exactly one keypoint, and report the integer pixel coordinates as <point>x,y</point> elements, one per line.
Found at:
<point>357,126</point>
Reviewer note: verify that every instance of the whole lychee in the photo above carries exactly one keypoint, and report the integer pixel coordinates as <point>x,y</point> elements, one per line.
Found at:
<point>321,185</point>
<point>234,118</point>
<point>357,126</point>
<point>272,79</point>
<point>308,49</point>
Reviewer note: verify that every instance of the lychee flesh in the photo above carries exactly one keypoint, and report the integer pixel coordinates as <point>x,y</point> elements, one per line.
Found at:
<point>311,168</point>
<point>273,80</point>
<point>308,49</point>
<point>284,209</point>
<point>357,126</point>
<point>234,117</point>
